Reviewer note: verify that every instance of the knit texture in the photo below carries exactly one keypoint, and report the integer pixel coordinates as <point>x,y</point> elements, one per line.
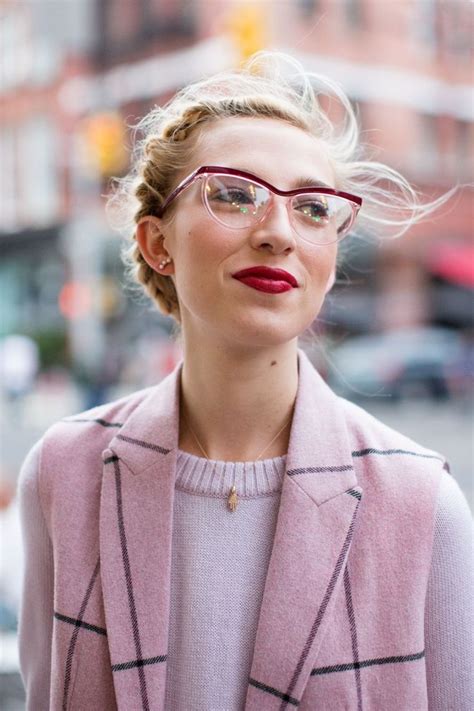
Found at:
<point>219,564</point>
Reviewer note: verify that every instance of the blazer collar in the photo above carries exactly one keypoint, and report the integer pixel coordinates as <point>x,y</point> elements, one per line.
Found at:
<point>318,506</point>
<point>152,429</point>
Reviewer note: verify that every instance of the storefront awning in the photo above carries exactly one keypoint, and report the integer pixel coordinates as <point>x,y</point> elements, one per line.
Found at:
<point>454,263</point>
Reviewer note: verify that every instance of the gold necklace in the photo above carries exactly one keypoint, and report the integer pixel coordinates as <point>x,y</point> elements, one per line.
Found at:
<point>232,498</point>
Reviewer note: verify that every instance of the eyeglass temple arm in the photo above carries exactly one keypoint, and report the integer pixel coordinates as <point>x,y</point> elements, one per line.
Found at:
<point>179,189</point>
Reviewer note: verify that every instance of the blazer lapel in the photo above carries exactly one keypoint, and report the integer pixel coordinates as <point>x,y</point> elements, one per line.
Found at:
<point>316,519</point>
<point>136,517</point>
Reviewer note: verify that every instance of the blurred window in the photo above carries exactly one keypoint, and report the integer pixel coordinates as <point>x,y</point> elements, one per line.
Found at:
<point>165,17</point>
<point>71,27</point>
<point>464,148</point>
<point>13,280</point>
<point>165,10</point>
<point>426,157</point>
<point>15,46</point>
<point>125,25</point>
<point>30,44</point>
<point>31,279</point>
<point>354,13</point>
<point>456,19</point>
<point>307,8</point>
<point>38,185</point>
<point>424,25</point>
<point>121,20</point>
<point>8,178</point>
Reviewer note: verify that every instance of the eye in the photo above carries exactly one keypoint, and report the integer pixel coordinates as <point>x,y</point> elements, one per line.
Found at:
<point>231,192</point>
<point>314,208</point>
<point>235,195</point>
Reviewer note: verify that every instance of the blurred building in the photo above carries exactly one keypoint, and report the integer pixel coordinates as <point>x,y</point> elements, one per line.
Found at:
<point>73,74</point>
<point>77,74</point>
<point>408,67</point>
<point>41,48</point>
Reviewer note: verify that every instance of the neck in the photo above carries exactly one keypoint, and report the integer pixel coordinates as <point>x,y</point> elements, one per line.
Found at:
<point>236,401</point>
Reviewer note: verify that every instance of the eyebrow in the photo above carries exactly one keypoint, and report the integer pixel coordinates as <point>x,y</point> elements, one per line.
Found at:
<point>311,182</point>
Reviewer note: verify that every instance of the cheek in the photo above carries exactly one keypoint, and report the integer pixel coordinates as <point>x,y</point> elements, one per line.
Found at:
<point>197,260</point>
<point>205,248</point>
<point>320,277</point>
<point>323,265</point>
<point>202,250</point>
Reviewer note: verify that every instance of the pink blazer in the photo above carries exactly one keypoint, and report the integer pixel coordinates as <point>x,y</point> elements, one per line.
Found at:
<point>342,619</point>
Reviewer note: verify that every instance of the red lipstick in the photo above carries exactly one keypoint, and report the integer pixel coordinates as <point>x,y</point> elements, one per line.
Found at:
<point>273,281</point>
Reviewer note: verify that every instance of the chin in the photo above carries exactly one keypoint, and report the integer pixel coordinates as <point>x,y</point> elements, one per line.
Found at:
<point>265,333</point>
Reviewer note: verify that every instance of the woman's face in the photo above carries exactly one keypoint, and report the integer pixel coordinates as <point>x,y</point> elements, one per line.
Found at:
<point>206,254</point>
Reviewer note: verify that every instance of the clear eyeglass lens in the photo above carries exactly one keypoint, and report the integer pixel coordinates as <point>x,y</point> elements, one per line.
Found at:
<point>238,203</point>
<point>322,218</point>
<point>235,201</point>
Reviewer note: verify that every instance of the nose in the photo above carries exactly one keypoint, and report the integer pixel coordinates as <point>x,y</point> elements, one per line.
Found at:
<point>275,231</point>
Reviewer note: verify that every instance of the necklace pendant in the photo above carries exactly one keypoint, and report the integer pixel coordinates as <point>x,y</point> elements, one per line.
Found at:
<point>232,499</point>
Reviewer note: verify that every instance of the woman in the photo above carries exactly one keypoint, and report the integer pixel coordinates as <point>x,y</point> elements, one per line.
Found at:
<point>237,536</point>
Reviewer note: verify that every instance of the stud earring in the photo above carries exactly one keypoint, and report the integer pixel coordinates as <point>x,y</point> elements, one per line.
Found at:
<point>164,262</point>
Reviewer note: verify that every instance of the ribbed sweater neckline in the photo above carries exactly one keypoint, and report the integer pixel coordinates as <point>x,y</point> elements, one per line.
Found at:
<point>210,477</point>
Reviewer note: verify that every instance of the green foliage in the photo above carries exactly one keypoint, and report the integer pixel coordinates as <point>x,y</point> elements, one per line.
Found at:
<point>53,347</point>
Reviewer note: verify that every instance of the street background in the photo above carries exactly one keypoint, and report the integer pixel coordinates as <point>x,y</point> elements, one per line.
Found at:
<point>397,332</point>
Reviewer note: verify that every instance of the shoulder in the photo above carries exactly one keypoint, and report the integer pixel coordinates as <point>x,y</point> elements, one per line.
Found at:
<point>449,613</point>
<point>370,437</point>
<point>391,467</point>
<point>27,481</point>
<point>404,484</point>
<point>94,427</point>
<point>452,557</point>
<point>71,448</point>
<point>454,522</point>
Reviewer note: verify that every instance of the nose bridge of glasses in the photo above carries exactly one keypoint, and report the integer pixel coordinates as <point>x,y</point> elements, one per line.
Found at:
<point>276,206</point>
<point>277,220</point>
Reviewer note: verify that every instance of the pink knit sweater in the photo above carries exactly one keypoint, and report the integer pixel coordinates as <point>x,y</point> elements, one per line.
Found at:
<point>212,637</point>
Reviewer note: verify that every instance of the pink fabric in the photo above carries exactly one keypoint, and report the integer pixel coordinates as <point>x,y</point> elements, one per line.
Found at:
<point>342,619</point>
<point>217,558</point>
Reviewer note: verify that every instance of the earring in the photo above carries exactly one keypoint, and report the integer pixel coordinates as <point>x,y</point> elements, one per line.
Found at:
<point>164,262</point>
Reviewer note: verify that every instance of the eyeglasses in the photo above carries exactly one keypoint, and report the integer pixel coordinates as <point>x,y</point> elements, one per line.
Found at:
<point>239,200</point>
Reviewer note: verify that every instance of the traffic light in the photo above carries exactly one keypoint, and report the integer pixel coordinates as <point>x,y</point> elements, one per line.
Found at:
<point>75,300</point>
<point>105,137</point>
<point>247,26</point>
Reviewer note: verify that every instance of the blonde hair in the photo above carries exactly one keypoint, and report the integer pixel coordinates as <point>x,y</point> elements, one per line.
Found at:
<point>271,85</point>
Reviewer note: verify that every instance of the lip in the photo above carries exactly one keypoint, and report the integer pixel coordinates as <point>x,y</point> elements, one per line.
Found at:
<point>267,274</point>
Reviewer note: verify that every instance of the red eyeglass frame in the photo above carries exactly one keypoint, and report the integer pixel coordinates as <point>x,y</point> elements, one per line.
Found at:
<point>355,200</point>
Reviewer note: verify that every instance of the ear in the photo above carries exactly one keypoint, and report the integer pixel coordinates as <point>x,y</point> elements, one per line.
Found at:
<point>150,239</point>
<point>331,282</point>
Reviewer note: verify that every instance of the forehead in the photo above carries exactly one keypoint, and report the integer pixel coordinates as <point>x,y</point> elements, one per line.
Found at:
<point>274,150</point>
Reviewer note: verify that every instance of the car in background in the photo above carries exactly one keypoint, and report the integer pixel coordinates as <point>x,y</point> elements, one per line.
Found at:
<point>428,361</point>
